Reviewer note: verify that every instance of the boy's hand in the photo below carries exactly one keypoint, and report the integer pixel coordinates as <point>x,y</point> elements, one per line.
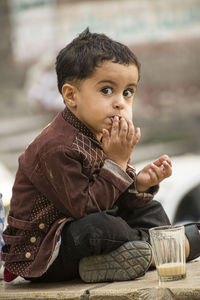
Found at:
<point>119,142</point>
<point>154,173</point>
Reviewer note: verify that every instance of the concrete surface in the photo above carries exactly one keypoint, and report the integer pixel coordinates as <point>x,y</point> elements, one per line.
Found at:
<point>144,288</point>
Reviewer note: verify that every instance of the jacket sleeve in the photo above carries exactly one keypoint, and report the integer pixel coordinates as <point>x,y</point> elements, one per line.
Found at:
<point>131,198</point>
<point>73,192</point>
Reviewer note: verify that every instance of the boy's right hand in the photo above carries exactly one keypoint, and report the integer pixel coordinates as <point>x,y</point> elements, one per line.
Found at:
<point>119,142</point>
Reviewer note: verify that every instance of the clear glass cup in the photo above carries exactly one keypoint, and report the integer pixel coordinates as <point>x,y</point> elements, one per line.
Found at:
<point>168,244</point>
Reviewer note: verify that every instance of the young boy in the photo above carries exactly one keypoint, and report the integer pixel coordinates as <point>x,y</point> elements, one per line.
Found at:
<point>78,208</point>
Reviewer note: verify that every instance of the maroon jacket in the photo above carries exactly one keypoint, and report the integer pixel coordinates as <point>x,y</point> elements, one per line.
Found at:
<point>63,175</point>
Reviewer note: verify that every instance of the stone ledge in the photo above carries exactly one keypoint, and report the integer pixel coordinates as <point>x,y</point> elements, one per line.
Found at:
<point>146,288</point>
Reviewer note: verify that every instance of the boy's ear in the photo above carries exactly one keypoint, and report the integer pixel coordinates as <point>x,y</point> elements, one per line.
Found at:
<point>69,94</point>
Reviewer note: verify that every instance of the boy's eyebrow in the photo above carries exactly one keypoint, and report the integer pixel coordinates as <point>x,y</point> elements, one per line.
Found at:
<point>114,83</point>
<point>106,81</point>
<point>132,84</point>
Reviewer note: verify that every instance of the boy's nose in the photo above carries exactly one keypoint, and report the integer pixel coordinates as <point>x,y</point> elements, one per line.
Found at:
<point>118,103</point>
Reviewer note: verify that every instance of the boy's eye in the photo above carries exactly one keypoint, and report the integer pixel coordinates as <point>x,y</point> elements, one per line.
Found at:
<point>128,93</point>
<point>107,90</point>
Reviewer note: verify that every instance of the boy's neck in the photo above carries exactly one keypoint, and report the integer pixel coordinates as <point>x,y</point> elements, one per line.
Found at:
<point>70,117</point>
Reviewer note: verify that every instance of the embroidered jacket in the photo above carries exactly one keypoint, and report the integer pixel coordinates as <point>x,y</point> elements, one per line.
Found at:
<point>62,176</point>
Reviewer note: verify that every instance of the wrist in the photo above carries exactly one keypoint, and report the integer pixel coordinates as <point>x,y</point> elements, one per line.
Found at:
<point>122,164</point>
<point>141,188</point>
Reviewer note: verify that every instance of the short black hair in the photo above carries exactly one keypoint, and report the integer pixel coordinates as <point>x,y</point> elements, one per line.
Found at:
<point>79,58</point>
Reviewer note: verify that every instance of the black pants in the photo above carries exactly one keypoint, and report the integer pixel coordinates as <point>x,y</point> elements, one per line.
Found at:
<point>101,233</point>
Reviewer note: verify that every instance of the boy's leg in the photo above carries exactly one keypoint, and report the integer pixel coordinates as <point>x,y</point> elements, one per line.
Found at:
<point>144,218</point>
<point>153,215</point>
<point>97,234</point>
<point>192,232</point>
<point>139,220</point>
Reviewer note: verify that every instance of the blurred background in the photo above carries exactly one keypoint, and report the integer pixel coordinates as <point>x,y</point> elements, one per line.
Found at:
<point>164,35</point>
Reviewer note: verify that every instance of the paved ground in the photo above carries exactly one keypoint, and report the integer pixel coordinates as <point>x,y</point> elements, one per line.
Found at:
<point>144,288</point>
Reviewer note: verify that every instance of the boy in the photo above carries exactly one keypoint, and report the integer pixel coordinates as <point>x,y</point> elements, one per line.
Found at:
<point>78,208</point>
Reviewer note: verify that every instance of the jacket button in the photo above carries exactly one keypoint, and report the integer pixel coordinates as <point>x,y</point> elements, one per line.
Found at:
<point>33,239</point>
<point>28,255</point>
<point>41,225</point>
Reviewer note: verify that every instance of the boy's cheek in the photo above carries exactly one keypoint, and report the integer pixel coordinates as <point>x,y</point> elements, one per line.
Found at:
<point>128,115</point>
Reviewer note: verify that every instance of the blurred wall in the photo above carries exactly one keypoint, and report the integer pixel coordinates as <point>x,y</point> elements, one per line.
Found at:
<point>47,25</point>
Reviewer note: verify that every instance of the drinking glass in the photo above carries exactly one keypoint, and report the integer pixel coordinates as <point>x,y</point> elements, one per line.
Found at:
<point>168,244</point>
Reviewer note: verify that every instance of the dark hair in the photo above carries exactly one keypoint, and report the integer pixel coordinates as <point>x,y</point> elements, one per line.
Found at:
<point>79,59</point>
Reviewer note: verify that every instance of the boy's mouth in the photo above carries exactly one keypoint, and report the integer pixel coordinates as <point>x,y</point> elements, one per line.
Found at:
<point>112,117</point>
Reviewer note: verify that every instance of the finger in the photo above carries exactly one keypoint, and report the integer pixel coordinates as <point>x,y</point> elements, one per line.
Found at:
<point>158,162</point>
<point>123,131</point>
<point>167,168</point>
<point>162,171</point>
<point>131,131</point>
<point>138,133</point>
<point>155,171</point>
<point>115,126</point>
<point>105,137</point>
<point>137,136</point>
<point>165,157</point>
<point>105,133</point>
<point>169,161</point>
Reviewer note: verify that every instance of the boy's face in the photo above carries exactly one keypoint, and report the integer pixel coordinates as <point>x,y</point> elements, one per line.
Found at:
<point>107,93</point>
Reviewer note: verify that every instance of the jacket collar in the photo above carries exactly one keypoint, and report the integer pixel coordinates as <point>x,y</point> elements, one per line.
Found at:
<point>74,121</point>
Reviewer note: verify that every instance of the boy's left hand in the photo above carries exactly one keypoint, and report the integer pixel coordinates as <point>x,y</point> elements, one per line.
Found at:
<point>153,173</point>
